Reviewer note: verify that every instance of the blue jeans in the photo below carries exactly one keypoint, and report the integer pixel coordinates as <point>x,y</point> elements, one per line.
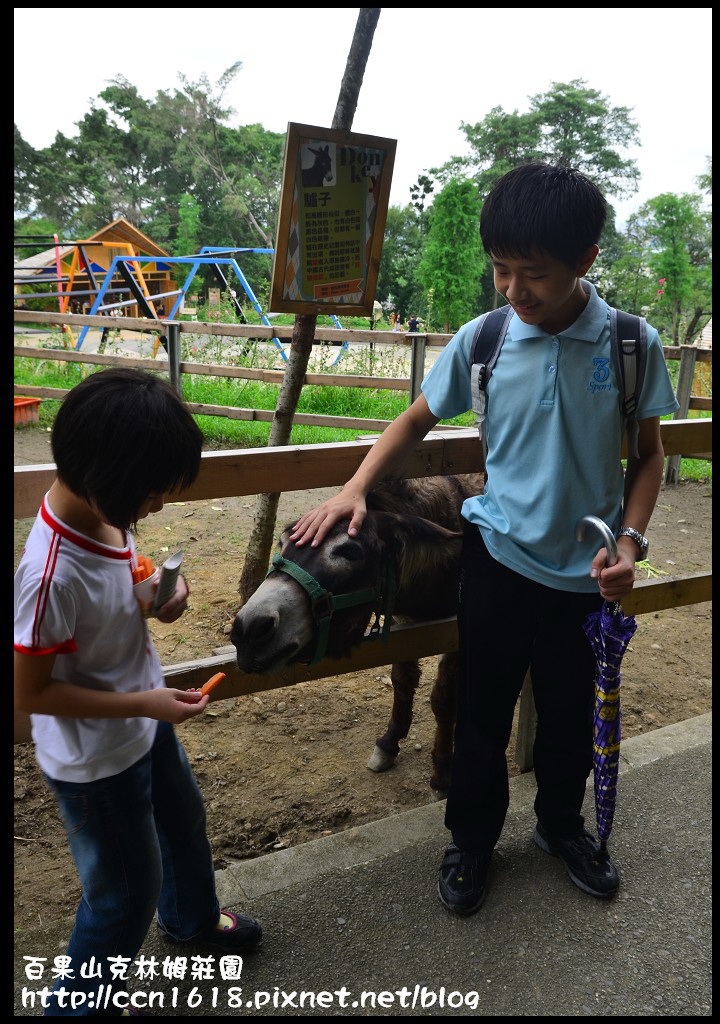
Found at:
<point>140,845</point>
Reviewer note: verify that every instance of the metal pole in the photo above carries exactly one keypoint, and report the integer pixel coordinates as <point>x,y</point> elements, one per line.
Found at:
<point>173,347</point>
<point>417,364</point>
<point>72,294</point>
<point>36,279</point>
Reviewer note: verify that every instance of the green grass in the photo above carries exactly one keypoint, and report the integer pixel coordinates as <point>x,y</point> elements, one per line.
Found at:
<point>44,373</point>
<point>696,469</point>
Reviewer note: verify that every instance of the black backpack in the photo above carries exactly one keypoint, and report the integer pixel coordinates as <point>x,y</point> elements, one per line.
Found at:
<point>629,353</point>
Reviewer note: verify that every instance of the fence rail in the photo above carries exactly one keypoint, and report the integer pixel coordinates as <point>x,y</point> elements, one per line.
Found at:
<point>688,355</point>
<point>443,452</point>
<point>339,380</point>
<point>212,369</point>
<point>332,334</point>
<point>327,334</point>
<point>249,471</point>
<point>252,471</point>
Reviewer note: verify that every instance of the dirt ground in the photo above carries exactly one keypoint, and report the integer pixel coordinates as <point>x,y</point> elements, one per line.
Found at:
<point>286,766</point>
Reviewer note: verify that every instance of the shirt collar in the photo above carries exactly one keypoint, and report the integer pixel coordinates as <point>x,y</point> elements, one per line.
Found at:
<point>588,326</point>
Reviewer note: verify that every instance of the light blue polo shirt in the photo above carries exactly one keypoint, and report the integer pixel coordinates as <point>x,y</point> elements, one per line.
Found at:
<point>554,432</point>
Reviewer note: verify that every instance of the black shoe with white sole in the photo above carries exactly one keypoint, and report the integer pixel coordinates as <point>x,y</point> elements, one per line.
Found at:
<point>588,865</point>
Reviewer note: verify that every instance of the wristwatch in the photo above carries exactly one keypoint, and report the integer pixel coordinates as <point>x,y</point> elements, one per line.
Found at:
<point>642,542</point>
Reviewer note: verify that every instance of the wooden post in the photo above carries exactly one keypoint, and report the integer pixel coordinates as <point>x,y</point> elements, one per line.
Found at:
<point>173,340</point>
<point>688,356</point>
<point>417,364</point>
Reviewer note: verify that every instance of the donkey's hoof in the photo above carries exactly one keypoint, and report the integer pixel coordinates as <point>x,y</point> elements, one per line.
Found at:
<point>437,794</point>
<point>380,760</point>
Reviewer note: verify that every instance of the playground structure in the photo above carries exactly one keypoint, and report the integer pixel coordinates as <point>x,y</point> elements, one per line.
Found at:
<point>76,268</point>
<point>131,273</point>
<point>213,257</point>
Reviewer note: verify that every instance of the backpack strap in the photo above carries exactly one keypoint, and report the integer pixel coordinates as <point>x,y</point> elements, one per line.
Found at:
<point>489,336</point>
<point>628,335</point>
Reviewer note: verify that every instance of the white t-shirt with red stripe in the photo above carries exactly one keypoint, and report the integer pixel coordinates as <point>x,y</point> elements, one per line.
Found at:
<point>74,597</point>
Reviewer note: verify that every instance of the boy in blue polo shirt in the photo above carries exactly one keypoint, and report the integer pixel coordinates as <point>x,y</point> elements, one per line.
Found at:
<point>526,587</point>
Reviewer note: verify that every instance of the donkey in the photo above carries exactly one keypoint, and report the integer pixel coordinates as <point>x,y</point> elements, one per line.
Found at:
<point>320,170</point>
<point>404,564</point>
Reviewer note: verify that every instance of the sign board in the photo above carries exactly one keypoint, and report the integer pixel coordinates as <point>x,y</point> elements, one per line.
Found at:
<point>333,208</point>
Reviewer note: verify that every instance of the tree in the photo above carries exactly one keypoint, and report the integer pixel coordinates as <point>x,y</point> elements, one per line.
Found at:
<point>25,162</point>
<point>398,286</point>
<point>136,158</point>
<point>663,266</point>
<point>704,181</point>
<point>453,260</point>
<point>679,238</point>
<point>24,248</point>
<point>43,228</point>
<point>187,236</point>
<point>419,192</point>
<point>498,143</point>
<point>580,129</point>
<point>620,272</point>
<point>233,173</point>
<point>572,125</point>
<point>260,543</point>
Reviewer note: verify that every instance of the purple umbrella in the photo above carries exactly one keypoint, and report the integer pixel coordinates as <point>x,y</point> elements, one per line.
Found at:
<point>609,633</point>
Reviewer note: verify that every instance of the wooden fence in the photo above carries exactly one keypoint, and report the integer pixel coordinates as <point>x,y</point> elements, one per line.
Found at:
<point>443,452</point>
<point>688,355</point>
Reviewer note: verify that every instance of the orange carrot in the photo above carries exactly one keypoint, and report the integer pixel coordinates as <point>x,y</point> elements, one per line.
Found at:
<point>212,683</point>
<point>144,569</point>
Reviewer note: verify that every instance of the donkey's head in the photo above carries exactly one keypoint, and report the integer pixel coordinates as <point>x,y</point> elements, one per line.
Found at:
<point>318,600</point>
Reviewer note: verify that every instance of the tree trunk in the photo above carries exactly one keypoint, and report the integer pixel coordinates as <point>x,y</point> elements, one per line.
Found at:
<point>692,328</point>
<point>260,544</point>
<point>676,322</point>
<point>263,532</point>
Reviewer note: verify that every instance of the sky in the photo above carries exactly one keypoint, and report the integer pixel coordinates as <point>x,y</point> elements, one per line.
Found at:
<point>427,72</point>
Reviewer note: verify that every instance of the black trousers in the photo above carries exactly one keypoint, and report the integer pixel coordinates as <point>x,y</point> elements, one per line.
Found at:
<point>507,624</point>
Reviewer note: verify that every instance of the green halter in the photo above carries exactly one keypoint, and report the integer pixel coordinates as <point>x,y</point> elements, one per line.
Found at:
<point>323,603</point>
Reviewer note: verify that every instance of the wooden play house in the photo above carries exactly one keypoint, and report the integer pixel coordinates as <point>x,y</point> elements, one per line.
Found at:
<point>79,269</point>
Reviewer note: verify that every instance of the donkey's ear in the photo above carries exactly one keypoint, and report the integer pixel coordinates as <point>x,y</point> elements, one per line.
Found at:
<point>408,528</point>
<point>285,534</point>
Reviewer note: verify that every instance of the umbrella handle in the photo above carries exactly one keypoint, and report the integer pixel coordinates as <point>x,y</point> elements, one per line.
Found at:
<point>605,533</point>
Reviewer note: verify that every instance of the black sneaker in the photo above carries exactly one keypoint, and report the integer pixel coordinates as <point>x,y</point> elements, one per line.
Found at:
<point>588,865</point>
<point>461,887</point>
<point>242,935</point>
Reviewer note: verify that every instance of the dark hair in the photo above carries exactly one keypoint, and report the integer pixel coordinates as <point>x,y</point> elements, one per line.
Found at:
<point>121,435</point>
<point>539,206</point>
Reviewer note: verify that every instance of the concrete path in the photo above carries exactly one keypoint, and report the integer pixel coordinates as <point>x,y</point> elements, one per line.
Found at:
<point>353,925</point>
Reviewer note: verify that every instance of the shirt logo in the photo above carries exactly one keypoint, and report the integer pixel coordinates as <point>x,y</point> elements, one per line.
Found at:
<point>600,380</point>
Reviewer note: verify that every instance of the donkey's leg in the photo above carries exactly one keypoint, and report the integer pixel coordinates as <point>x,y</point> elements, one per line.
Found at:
<point>405,677</point>
<point>442,701</point>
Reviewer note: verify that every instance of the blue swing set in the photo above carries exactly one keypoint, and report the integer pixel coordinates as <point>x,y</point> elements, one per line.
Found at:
<point>215,257</point>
